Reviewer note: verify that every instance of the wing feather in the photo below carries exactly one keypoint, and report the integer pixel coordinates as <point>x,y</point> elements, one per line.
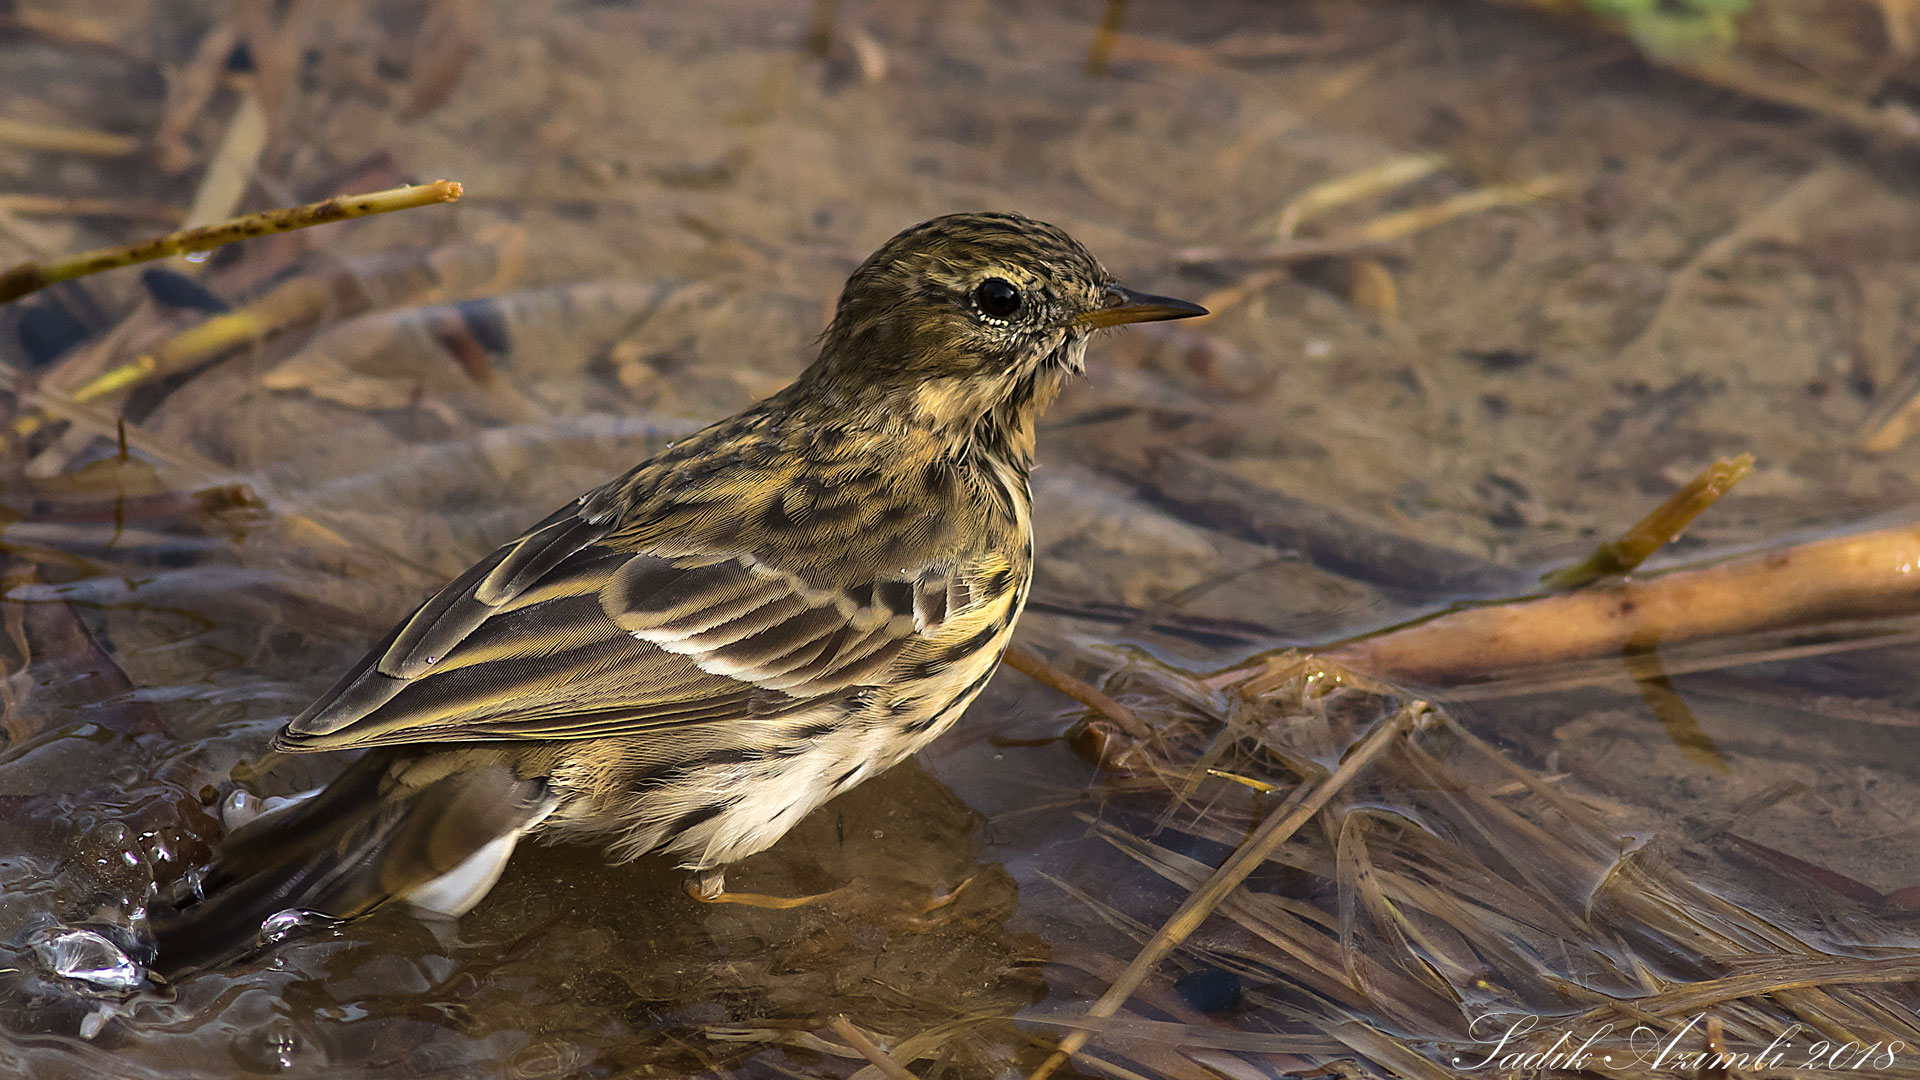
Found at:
<point>566,634</point>
<point>444,621</point>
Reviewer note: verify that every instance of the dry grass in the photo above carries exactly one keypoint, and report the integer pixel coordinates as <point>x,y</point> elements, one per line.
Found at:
<point>1448,896</point>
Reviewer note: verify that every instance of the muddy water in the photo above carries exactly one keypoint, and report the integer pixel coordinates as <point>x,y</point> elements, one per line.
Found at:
<point>667,197</point>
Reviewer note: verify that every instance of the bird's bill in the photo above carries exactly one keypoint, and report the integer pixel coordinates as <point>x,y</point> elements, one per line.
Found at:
<point>1123,305</point>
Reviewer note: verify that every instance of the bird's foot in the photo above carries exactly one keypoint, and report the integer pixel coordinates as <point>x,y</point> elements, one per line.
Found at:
<point>709,887</point>
<point>884,900</point>
<point>934,903</point>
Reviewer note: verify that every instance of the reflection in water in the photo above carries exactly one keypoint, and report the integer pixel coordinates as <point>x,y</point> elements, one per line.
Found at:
<point>86,957</point>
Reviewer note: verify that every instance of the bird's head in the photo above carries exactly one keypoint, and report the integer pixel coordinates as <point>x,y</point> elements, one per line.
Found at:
<point>971,315</point>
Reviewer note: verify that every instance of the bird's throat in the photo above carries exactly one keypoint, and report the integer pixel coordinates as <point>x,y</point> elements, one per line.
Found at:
<point>1005,430</point>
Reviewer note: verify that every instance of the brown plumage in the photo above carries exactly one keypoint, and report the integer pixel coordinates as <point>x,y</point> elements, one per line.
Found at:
<point>692,657</point>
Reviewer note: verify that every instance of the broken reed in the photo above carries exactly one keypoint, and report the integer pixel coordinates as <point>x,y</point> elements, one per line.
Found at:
<point>1438,882</point>
<point>29,277</point>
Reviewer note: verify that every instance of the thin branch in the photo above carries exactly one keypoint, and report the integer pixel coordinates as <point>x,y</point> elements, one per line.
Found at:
<point>1379,179</point>
<point>66,139</point>
<point>1864,575</point>
<point>869,1049</point>
<point>1079,690</point>
<point>1387,228</point>
<point>32,276</point>
<point>1100,54</point>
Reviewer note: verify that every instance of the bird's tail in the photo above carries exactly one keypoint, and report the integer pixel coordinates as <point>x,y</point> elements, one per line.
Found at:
<point>369,837</point>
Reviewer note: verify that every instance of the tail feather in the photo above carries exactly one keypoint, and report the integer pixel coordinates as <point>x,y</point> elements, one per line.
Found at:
<point>366,839</point>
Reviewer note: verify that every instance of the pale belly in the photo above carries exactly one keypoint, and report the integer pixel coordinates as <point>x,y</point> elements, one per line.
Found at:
<point>720,812</point>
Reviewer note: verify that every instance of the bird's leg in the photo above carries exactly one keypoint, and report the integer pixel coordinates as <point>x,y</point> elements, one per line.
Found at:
<point>709,887</point>
<point>936,902</point>
<point>883,900</point>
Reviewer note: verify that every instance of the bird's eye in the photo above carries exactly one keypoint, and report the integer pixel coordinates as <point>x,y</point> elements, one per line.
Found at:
<point>997,297</point>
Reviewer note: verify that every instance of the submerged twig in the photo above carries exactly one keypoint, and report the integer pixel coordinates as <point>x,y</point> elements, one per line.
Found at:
<point>1890,428</point>
<point>1386,228</point>
<point>869,1049</point>
<point>1281,252</point>
<point>447,42</point>
<point>1197,488</point>
<point>1100,54</point>
<point>1419,219</point>
<point>69,140</point>
<point>231,168</point>
<point>188,90</point>
<point>32,276</point>
<point>1279,826</point>
<point>1389,175</point>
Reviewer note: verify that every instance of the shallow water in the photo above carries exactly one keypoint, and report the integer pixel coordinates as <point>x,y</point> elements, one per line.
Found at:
<point>1482,401</point>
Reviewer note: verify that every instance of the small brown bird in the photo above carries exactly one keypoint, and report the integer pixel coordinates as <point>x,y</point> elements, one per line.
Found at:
<point>692,657</point>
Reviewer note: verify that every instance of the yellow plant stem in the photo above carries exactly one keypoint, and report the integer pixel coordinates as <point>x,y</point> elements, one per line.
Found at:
<point>32,276</point>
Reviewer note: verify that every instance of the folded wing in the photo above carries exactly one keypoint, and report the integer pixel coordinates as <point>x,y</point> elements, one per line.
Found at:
<point>565,633</point>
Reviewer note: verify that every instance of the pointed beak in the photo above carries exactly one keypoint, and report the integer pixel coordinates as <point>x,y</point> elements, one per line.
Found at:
<point>1123,305</point>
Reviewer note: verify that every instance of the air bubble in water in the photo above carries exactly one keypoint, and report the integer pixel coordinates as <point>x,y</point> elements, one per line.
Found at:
<point>278,925</point>
<point>239,808</point>
<point>273,1049</point>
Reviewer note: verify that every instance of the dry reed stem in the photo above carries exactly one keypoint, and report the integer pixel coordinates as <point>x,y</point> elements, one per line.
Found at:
<point>1277,829</point>
<point>75,32</point>
<point>32,276</point>
<point>295,301</point>
<point>1300,936</point>
<point>65,139</point>
<point>1079,690</point>
<point>870,1050</point>
<point>1490,899</point>
<point>1875,573</point>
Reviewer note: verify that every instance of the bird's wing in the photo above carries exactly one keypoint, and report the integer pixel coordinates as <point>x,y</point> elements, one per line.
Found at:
<point>574,631</point>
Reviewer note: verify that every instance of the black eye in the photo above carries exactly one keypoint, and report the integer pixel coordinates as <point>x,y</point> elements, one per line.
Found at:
<point>997,297</point>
